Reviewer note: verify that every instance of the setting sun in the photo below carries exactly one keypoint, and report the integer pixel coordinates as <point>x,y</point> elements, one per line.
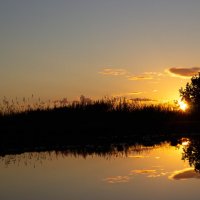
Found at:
<point>185,141</point>
<point>182,105</point>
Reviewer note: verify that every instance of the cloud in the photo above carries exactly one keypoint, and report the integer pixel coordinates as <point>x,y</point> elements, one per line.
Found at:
<point>127,94</point>
<point>117,179</point>
<point>153,73</point>
<point>134,93</point>
<point>183,72</point>
<point>143,171</point>
<point>157,175</point>
<point>150,173</point>
<point>145,76</point>
<point>128,75</point>
<point>142,99</point>
<point>139,78</point>
<point>113,72</point>
<point>132,156</point>
<point>184,174</point>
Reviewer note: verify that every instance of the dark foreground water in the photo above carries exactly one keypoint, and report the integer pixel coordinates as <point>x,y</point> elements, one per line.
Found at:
<point>135,172</point>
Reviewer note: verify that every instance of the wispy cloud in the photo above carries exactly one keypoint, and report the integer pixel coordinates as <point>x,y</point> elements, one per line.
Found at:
<point>145,76</point>
<point>130,76</point>
<point>134,93</point>
<point>150,173</point>
<point>127,94</point>
<point>180,72</point>
<point>138,156</point>
<point>157,175</point>
<point>183,72</point>
<point>142,99</point>
<point>140,78</point>
<point>184,174</point>
<point>113,72</point>
<point>143,171</point>
<point>153,73</point>
<point>117,179</point>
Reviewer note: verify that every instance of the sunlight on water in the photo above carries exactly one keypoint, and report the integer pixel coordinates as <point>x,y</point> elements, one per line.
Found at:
<point>160,171</point>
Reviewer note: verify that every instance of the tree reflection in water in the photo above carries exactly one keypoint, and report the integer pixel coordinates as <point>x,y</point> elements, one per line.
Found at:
<point>191,153</point>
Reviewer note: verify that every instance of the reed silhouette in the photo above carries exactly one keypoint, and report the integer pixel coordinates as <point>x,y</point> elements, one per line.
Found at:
<point>60,123</point>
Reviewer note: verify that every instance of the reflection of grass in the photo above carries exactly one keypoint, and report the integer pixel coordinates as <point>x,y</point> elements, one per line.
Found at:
<point>103,150</point>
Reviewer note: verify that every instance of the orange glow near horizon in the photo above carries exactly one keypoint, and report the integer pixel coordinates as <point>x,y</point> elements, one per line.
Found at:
<point>182,105</point>
<point>185,141</point>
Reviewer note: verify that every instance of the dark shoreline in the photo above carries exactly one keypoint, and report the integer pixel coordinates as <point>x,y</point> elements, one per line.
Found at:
<point>94,124</point>
<point>95,144</point>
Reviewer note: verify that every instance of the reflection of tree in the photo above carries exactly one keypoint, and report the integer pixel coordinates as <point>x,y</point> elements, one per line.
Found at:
<point>191,152</point>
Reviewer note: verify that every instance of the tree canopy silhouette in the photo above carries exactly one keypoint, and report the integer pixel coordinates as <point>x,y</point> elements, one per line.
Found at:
<point>191,153</point>
<point>191,92</point>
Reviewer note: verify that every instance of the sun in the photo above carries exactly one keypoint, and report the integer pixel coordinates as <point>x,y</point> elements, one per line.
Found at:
<point>182,105</point>
<point>185,141</point>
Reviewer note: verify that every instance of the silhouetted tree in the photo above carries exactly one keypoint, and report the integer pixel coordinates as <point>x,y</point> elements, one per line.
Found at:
<point>192,154</point>
<point>191,93</point>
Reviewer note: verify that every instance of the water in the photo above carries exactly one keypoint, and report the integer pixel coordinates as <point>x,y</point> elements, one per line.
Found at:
<point>135,172</point>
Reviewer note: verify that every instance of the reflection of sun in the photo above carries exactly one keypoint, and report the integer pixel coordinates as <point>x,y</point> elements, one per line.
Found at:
<point>182,105</point>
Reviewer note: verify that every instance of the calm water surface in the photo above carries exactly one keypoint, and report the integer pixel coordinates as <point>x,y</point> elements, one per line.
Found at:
<point>139,172</point>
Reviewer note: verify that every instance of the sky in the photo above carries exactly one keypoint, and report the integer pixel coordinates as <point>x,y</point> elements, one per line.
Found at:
<point>134,48</point>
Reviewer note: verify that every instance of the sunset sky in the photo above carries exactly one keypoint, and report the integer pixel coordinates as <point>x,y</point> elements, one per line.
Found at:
<point>134,48</point>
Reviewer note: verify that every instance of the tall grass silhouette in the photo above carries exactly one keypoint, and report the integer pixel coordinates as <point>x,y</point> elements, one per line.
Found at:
<point>12,107</point>
<point>28,124</point>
